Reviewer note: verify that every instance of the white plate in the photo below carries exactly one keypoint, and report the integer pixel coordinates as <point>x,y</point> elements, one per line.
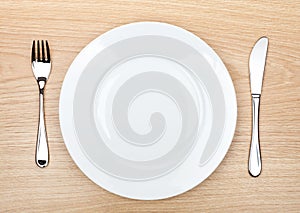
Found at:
<point>147,110</point>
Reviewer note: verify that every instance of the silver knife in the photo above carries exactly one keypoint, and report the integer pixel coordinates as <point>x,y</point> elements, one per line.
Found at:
<point>257,63</point>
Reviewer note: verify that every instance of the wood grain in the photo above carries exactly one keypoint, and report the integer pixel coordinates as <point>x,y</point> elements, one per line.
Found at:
<point>229,27</point>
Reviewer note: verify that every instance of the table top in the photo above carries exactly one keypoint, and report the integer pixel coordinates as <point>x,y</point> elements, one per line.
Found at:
<point>229,27</point>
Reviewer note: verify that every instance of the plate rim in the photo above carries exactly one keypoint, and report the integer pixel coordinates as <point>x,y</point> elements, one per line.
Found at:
<point>74,72</point>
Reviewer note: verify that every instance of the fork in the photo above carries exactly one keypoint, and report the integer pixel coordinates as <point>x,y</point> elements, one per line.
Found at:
<point>41,67</point>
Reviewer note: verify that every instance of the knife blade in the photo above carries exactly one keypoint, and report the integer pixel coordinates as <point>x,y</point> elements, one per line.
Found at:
<point>257,62</point>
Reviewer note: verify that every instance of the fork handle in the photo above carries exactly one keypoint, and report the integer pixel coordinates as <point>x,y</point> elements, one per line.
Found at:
<point>42,153</point>
<point>254,155</point>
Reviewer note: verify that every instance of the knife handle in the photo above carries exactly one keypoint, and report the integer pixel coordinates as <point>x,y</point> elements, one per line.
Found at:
<point>254,155</point>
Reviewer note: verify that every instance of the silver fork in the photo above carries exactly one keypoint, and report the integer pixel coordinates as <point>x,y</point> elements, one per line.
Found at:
<point>41,67</point>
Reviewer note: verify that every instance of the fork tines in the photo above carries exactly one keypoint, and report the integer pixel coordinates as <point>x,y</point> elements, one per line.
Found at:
<point>36,53</point>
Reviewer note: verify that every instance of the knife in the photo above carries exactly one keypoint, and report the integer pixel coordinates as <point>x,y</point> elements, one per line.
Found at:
<point>257,63</point>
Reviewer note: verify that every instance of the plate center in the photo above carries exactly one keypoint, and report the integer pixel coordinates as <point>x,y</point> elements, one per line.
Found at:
<point>139,107</point>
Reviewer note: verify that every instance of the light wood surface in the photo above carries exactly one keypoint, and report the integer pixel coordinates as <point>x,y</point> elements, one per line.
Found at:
<point>229,27</point>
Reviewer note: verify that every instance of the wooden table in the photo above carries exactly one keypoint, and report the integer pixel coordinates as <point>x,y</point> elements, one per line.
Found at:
<point>229,27</point>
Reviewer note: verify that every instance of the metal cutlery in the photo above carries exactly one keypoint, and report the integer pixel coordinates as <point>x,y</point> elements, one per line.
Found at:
<point>257,63</point>
<point>41,67</point>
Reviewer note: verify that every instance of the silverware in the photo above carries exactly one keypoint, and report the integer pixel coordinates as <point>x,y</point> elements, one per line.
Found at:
<point>257,63</point>
<point>41,66</point>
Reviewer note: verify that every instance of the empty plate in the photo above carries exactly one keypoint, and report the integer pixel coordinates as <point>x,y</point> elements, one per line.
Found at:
<point>147,110</point>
